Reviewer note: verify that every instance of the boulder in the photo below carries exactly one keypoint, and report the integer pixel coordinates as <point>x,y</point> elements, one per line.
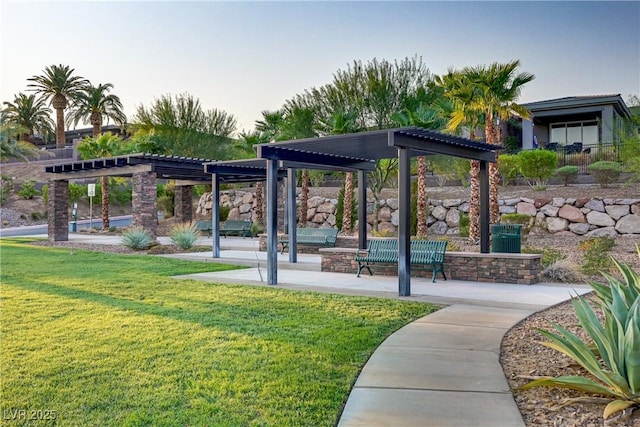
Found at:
<point>392,203</point>
<point>595,205</point>
<point>571,213</point>
<point>600,219</point>
<point>451,203</point>
<point>506,209</point>
<point>549,210</point>
<point>617,211</point>
<point>526,208</point>
<point>558,202</point>
<point>234,214</point>
<point>438,227</point>
<point>384,214</point>
<point>326,207</point>
<point>555,225</point>
<point>247,198</point>
<point>600,232</point>
<point>315,201</point>
<point>453,218</point>
<point>386,227</point>
<point>580,202</point>
<point>629,224</point>
<point>439,212</point>
<point>538,203</point>
<point>579,228</point>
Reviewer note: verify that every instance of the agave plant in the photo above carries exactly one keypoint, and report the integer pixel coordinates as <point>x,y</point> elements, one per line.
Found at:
<point>137,239</point>
<point>184,235</point>
<point>613,357</point>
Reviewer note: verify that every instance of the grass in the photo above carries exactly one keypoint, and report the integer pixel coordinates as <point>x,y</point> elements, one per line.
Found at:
<point>105,339</point>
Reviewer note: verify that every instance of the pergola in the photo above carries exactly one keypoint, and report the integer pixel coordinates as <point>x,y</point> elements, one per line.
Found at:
<point>356,152</point>
<point>144,169</point>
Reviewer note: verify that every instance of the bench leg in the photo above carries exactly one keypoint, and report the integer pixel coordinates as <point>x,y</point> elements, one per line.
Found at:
<point>284,247</point>
<point>362,267</point>
<point>435,272</point>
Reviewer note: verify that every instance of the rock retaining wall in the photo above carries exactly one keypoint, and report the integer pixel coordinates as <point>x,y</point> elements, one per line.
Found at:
<point>576,217</point>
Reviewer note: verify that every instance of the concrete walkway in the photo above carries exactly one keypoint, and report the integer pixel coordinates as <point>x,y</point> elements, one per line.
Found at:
<point>441,370</point>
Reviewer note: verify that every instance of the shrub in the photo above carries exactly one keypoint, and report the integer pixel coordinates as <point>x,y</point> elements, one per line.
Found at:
<point>610,355</point>
<point>595,256</point>
<point>184,235</point>
<point>537,166</point>
<point>45,194</point>
<point>38,216</point>
<point>605,172</point>
<point>224,212</point>
<point>517,218</point>
<point>256,229</point>
<point>77,192</point>
<point>6,187</point>
<point>632,167</point>
<point>549,255</point>
<point>381,233</point>
<point>137,239</point>
<point>508,167</point>
<point>463,227</point>
<point>28,190</point>
<point>562,271</point>
<point>567,174</point>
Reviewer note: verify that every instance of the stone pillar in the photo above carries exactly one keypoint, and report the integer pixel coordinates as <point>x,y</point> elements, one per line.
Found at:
<point>183,203</point>
<point>58,207</point>
<point>145,202</point>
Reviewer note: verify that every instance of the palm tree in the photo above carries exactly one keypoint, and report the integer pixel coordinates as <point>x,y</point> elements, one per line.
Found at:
<point>246,144</point>
<point>58,85</point>
<point>426,117</point>
<point>30,114</point>
<point>496,89</point>
<point>106,145</point>
<point>340,123</point>
<point>94,104</point>
<point>462,113</point>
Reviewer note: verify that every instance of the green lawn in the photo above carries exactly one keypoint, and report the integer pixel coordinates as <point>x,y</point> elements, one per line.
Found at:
<point>104,339</point>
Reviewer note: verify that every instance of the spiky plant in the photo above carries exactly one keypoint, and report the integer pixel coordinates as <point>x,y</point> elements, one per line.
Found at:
<point>137,239</point>
<point>613,356</point>
<point>184,235</point>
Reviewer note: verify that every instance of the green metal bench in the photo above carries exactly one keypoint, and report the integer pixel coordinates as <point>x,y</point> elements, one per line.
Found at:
<point>236,226</point>
<point>312,236</point>
<point>423,252</point>
<point>204,226</point>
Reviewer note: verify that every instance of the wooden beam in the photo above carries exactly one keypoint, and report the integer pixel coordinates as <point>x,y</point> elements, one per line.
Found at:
<point>95,173</point>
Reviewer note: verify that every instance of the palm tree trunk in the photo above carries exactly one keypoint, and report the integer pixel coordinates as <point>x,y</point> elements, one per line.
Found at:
<point>492,137</point>
<point>347,203</point>
<point>474,202</point>
<point>60,139</point>
<point>105,202</point>
<point>421,216</point>
<point>304,199</point>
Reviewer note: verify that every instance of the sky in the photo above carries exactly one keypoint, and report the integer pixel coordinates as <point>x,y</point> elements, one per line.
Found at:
<point>246,57</point>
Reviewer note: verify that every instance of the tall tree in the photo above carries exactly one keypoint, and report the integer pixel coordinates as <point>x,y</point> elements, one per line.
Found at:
<point>30,114</point>
<point>299,123</point>
<point>106,145</point>
<point>340,123</point>
<point>94,104</point>
<point>58,85</point>
<point>496,88</point>
<point>482,95</point>
<point>181,127</point>
<point>247,143</point>
<point>422,110</point>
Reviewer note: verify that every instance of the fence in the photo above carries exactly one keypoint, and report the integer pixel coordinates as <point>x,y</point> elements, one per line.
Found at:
<point>580,155</point>
<point>49,155</point>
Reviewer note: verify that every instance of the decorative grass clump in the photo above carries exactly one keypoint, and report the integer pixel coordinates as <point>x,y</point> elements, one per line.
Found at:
<point>605,172</point>
<point>137,239</point>
<point>111,340</point>
<point>563,271</point>
<point>184,235</point>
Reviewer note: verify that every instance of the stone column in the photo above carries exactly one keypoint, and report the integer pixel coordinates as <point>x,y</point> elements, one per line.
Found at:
<point>58,207</point>
<point>183,203</point>
<point>145,202</point>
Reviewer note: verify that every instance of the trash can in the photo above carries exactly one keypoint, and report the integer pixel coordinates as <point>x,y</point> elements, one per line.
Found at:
<point>506,238</point>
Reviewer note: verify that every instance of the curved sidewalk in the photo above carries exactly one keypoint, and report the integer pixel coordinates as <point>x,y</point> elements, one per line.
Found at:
<point>441,370</point>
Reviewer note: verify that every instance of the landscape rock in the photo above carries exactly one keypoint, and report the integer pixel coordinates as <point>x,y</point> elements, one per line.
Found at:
<point>571,213</point>
<point>628,224</point>
<point>600,219</point>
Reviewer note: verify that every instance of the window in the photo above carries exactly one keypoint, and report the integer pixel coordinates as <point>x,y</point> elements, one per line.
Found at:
<point>568,133</point>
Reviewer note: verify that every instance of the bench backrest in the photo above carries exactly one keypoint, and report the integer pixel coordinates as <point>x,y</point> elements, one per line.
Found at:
<point>328,235</point>
<point>236,224</point>
<point>428,251</point>
<point>383,250</point>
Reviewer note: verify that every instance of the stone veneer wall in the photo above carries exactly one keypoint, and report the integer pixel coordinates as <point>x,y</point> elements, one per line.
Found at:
<point>145,201</point>
<point>562,216</point>
<point>58,211</point>
<point>183,204</point>
<point>524,269</point>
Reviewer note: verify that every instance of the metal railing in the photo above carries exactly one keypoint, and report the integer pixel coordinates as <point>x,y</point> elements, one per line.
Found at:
<point>581,155</point>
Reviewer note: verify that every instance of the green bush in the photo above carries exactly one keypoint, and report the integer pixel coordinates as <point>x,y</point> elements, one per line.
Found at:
<point>605,172</point>
<point>77,192</point>
<point>595,259</point>
<point>463,227</point>
<point>6,187</point>
<point>256,229</point>
<point>224,212</point>
<point>562,271</point>
<point>137,239</point>
<point>568,174</point>
<point>632,167</point>
<point>508,167</point>
<point>537,166</point>
<point>45,194</point>
<point>28,190</point>
<point>184,235</point>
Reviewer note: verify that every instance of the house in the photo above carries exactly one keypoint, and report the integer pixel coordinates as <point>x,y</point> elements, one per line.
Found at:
<point>575,123</point>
